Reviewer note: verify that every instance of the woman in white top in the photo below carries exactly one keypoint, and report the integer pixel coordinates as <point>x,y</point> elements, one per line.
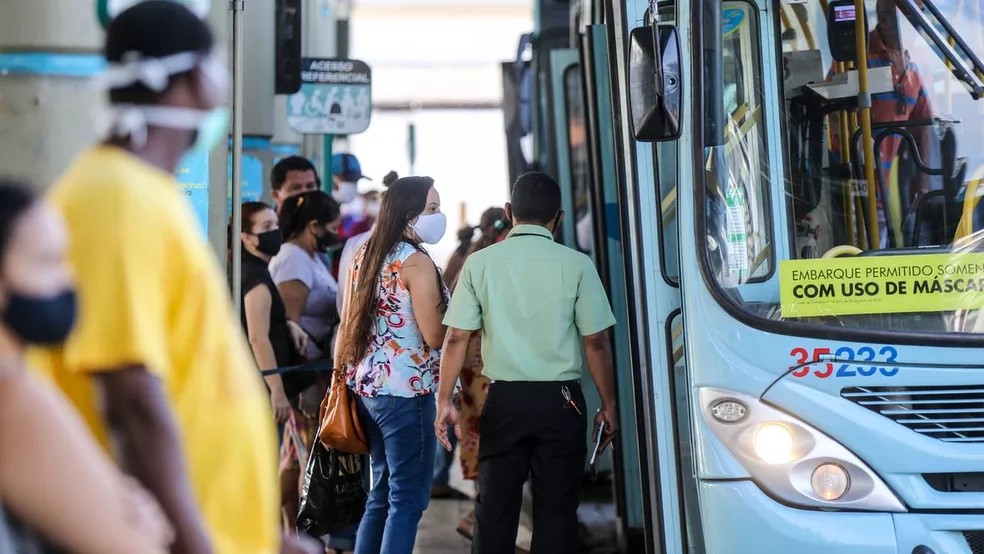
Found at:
<point>309,223</point>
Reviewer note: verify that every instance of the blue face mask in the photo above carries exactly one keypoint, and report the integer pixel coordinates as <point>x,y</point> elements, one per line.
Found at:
<point>212,130</point>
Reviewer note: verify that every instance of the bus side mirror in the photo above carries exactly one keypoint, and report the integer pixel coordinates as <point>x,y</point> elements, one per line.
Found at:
<point>654,83</point>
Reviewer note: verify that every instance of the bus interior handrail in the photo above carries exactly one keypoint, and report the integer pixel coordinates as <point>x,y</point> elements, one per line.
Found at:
<point>964,65</point>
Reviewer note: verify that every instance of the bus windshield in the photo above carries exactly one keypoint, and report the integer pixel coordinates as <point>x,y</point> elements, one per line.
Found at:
<point>809,220</point>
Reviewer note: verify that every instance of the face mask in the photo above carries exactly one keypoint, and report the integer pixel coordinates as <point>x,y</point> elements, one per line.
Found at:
<point>212,130</point>
<point>431,228</point>
<point>41,320</point>
<point>270,242</point>
<point>345,193</point>
<point>211,127</point>
<point>372,209</point>
<point>327,241</point>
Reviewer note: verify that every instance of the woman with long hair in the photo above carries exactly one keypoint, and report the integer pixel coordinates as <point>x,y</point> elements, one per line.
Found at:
<point>389,347</point>
<point>494,226</point>
<point>40,434</point>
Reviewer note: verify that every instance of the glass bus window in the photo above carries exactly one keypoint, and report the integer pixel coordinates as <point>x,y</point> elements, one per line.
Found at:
<point>922,207</point>
<point>739,168</point>
<point>580,171</point>
<point>665,161</point>
<point>920,116</point>
<point>667,177</point>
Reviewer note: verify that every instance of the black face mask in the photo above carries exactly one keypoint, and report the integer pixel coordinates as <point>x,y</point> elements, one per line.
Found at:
<point>41,320</point>
<point>270,242</point>
<point>328,241</point>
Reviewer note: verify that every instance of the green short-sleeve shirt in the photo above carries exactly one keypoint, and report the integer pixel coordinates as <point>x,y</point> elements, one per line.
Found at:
<point>534,300</point>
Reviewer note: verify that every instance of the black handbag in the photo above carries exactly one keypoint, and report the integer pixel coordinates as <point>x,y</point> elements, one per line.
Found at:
<point>333,496</point>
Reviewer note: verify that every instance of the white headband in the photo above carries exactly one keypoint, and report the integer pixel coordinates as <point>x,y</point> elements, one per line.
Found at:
<point>153,73</point>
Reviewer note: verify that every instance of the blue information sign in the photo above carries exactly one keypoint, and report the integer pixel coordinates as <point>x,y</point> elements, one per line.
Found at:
<point>252,185</point>
<point>192,174</point>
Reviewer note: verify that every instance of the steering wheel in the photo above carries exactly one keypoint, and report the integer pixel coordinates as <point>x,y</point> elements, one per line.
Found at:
<point>841,251</point>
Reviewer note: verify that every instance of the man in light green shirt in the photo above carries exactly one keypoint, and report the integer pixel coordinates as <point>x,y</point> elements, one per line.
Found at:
<point>543,313</point>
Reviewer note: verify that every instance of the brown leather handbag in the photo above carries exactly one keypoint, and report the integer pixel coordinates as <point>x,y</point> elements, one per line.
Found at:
<point>339,426</point>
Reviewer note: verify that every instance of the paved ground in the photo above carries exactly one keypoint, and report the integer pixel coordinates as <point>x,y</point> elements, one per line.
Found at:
<point>437,534</point>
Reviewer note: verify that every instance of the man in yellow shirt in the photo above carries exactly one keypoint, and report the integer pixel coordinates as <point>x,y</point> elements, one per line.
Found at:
<point>157,343</point>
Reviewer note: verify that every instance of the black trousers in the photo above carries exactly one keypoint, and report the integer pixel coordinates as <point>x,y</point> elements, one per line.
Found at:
<point>530,429</point>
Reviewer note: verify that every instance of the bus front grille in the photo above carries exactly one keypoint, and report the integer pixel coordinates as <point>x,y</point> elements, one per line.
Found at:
<point>950,413</point>
<point>975,540</point>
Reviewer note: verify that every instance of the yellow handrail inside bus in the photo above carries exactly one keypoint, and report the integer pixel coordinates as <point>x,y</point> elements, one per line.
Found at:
<point>966,226</point>
<point>668,205</point>
<point>842,250</point>
<point>845,152</point>
<point>761,258</point>
<point>750,119</point>
<point>784,17</point>
<point>811,43</point>
<point>864,109</point>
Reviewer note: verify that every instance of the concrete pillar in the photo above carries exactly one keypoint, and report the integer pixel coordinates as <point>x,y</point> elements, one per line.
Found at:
<point>49,112</point>
<point>258,77</point>
<point>319,42</point>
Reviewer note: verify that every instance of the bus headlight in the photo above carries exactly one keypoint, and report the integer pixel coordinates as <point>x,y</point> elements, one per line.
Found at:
<point>830,481</point>
<point>773,443</point>
<point>793,461</point>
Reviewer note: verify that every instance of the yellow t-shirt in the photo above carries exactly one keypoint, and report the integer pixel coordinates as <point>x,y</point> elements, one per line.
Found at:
<point>151,294</point>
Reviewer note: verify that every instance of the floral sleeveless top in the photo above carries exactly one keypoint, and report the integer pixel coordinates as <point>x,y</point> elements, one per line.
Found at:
<point>399,362</point>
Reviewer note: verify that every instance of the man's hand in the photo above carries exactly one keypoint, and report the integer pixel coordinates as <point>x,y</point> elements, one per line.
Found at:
<point>609,416</point>
<point>281,405</point>
<point>293,544</point>
<point>447,416</point>
<point>299,336</point>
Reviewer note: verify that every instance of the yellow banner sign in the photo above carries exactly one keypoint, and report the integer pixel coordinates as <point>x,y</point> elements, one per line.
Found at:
<point>882,284</point>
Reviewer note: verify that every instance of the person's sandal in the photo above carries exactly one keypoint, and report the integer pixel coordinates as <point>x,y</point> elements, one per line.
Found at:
<point>466,526</point>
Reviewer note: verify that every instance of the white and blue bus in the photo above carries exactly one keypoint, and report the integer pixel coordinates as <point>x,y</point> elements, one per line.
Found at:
<point>791,236</point>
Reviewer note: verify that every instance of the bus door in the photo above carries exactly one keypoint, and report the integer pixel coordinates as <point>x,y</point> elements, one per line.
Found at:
<point>570,157</point>
<point>603,203</point>
<point>647,187</point>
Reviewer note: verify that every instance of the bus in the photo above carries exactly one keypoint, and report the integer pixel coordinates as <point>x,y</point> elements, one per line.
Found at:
<point>782,198</point>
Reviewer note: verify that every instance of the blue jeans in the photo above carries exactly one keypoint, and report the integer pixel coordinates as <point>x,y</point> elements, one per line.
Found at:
<point>443,460</point>
<point>401,455</point>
